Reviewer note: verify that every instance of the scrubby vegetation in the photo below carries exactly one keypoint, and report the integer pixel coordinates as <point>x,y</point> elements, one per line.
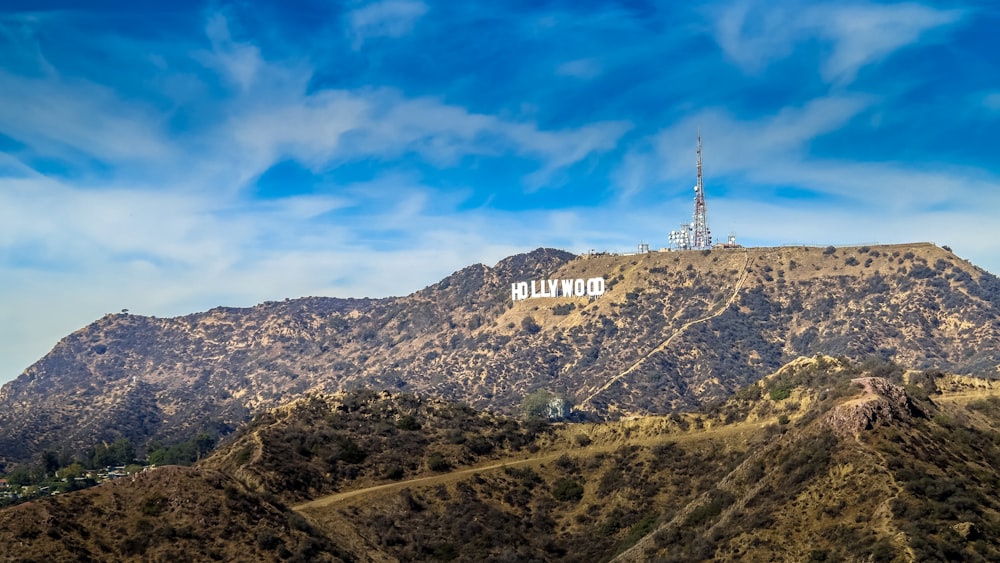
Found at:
<point>171,514</point>
<point>948,514</point>
<point>765,475</point>
<point>318,444</point>
<point>463,338</point>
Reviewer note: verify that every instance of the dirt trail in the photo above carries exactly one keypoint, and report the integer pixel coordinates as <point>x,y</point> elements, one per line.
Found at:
<point>320,509</point>
<point>349,497</point>
<point>715,432</point>
<point>663,345</point>
<point>966,396</point>
<point>730,483</point>
<point>883,514</point>
<point>338,498</point>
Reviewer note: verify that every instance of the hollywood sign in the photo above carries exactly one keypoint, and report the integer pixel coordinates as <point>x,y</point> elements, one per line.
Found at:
<point>593,287</point>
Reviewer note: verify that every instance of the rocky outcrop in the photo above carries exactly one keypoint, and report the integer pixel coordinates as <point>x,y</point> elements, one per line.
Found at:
<point>882,403</point>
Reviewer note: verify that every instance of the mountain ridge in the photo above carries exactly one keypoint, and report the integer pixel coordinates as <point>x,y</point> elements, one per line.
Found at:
<point>464,338</point>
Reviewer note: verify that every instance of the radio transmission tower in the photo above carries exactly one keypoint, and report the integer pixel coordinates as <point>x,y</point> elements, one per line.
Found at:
<point>695,235</point>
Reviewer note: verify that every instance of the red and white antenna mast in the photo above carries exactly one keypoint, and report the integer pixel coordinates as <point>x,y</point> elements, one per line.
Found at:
<point>695,235</point>
<point>701,235</point>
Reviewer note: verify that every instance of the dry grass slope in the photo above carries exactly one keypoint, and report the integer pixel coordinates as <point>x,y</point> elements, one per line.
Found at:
<point>637,350</point>
<point>824,459</point>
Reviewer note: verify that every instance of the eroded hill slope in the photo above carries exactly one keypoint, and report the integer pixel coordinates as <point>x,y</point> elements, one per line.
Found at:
<point>673,331</point>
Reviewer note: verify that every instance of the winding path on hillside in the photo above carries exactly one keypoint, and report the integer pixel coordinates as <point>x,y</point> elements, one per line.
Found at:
<point>883,517</point>
<point>431,480</point>
<point>324,511</point>
<point>343,497</point>
<point>459,474</point>
<point>663,345</point>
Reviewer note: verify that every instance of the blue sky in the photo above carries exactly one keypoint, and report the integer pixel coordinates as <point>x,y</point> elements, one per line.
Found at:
<point>171,157</point>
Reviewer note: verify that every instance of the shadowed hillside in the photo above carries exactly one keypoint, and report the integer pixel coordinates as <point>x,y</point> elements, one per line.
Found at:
<point>319,444</point>
<point>822,460</point>
<point>170,514</point>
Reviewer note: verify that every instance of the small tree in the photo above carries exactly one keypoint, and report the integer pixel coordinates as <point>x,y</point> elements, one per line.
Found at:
<point>529,326</point>
<point>567,490</point>
<point>121,452</point>
<point>70,472</point>
<point>437,462</point>
<point>20,477</point>
<point>49,462</point>
<point>780,393</point>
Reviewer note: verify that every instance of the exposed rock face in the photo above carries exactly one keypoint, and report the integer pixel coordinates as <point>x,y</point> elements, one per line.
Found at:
<point>967,531</point>
<point>882,403</point>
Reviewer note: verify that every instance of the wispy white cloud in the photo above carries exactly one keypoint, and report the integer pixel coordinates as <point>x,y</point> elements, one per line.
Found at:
<point>866,34</point>
<point>775,151</point>
<point>270,115</point>
<point>273,117</point>
<point>388,18</point>
<point>734,146</point>
<point>755,34</point>
<point>238,62</point>
<point>164,254</point>
<point>147,187</point>
<point>991,101</point>
<point>75,119</point>
<point>759,222</point>
<point>171,227</point>
<point>334,126</point>
<point>584,69</point>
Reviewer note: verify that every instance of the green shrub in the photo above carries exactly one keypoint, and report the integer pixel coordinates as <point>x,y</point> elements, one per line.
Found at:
<point>780,393</point>
<point>718,500</point>
<point>567,490</point>
<point>436,462</point>
<point>529,326</point>
<point>408,422</point>
<point>153,504</point>
<point>563,308</point>
<point>243,456</point>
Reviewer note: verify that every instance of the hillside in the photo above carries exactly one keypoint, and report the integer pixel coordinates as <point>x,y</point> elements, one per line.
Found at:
<point>867,468</point>
<point>316,445</point>
<point>674,330</point>
<point>170,514</point>
<point>823,460</point>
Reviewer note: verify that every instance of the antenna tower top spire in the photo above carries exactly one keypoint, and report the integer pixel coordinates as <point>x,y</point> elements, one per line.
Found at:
<point>695,235</point>
<point>701,236</point>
